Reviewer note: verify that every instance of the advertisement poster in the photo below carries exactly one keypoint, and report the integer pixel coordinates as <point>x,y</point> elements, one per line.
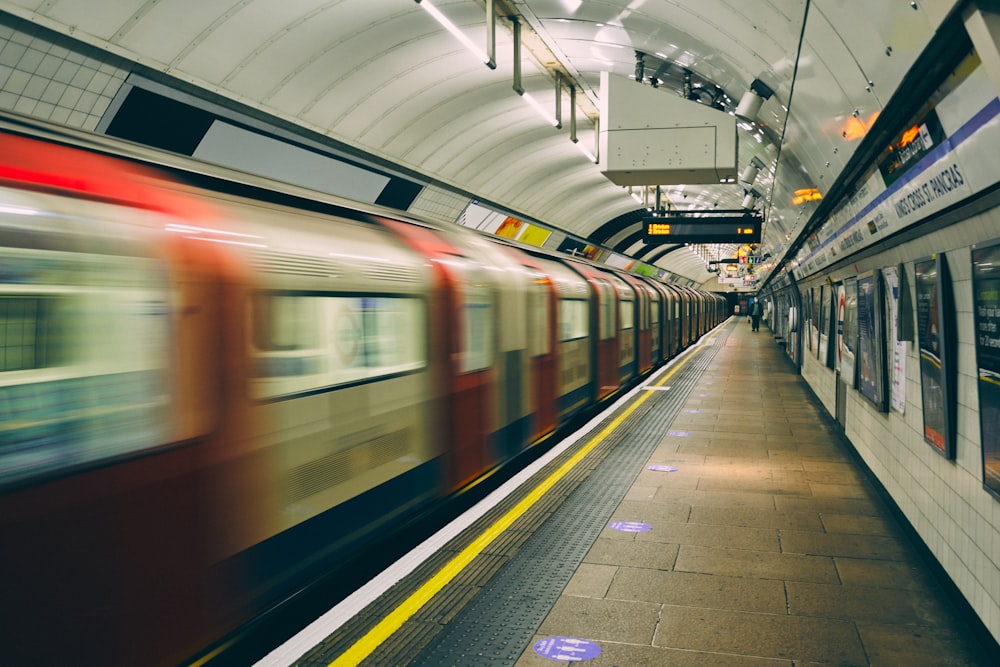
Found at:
<point>848,329</point>
<point>824,326</point>
<point>871,337</point>
<point>932,342</point>
<point>838,345</point>
<point>814,310</point>
<point>897,348</point>
<point>986,304</point>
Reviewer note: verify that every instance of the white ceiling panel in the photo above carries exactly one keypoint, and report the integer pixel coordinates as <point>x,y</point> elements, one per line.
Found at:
<point>883,41</point>
<point>101,19</point>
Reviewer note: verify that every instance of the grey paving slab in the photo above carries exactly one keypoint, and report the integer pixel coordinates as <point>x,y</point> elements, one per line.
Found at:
<point>892,645</point>
<point>876,547</point>
<point>649,555</point>
<point>756,517</point>
<point>722,537</point>
<point>591,580</point>
<point>859,603</point>
<point>699,590</point>
<point>722,499</point>
<point>859,524</point>
<point>757,564</point>
<point>907,575</point>
<point>627,621</point>
<point>829,641</point>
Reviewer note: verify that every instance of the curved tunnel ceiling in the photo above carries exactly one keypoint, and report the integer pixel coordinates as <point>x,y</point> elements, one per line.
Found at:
<point>384,77</point>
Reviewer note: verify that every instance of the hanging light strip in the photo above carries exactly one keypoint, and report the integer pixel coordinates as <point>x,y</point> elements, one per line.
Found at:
<point>572,126</point>
<point>586,151</point>
<point>518,88</point>
<point>537,106</point>
<point>488,59</point>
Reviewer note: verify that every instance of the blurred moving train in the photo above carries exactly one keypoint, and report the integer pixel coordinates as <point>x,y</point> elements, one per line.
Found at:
<point>206,400</point>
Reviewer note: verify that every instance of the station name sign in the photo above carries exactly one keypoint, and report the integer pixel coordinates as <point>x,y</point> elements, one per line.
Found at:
<point>666,230</point>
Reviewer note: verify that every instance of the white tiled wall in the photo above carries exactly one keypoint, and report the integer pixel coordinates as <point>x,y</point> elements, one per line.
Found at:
<point>439,204</point>
<point>64,83</point>
<point>943,500</point>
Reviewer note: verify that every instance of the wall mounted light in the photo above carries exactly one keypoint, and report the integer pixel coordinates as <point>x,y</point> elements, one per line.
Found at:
<point>488,57</point>
<point>750,171</point>
<point>750,200</point>
<point>753,99</point>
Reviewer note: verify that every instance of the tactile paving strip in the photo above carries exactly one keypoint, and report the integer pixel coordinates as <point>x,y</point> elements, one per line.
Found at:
<point>497,625</point>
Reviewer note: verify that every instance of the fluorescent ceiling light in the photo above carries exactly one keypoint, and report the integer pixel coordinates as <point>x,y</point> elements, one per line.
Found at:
<point>586,151</point>
<point>537,106</point>
<point>459,35</point>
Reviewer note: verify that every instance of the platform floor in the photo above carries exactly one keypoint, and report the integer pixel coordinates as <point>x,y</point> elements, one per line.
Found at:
<point>759,543</point>
<point>769,545</point>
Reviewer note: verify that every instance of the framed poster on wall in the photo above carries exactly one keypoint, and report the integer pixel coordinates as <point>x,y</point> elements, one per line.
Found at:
<point>872,374</point>
<point>897,348</point>
<point>825,320</point>
<point>840,296</point>
<point>986,310</point>
<point>814,317</point>
<point>935,345</point>
<point>848,330</point>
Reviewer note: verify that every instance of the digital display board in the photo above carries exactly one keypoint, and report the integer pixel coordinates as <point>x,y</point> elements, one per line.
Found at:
<point>664,230</point>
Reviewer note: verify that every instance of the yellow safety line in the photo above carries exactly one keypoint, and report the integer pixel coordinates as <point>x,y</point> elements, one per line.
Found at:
<point>385,629</point>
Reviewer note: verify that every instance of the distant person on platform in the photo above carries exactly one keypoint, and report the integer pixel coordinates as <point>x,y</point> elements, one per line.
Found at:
<point>756,310</point>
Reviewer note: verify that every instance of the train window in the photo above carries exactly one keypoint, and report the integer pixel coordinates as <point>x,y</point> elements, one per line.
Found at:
<point>84,361</point>
<point>477,333</point>
<point>285,322</point>
<point>626,311</point>
<point>28,332</point>
<point>606,298</point>
<point>573,317</point>
<point>654,312</point>
<point>305,341</point>
<point>538,318</point>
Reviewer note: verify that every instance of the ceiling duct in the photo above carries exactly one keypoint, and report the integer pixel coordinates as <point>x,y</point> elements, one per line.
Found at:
<point>651,137</point>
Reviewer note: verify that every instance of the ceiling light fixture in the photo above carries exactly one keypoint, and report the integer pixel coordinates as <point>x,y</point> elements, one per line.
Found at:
<point>753,99</point>
<point>750,200</point>
<point>572,127</point>
<point>488,58</point>
<point>751,170</point>
<point>518,88</point>
<point>537,106</point>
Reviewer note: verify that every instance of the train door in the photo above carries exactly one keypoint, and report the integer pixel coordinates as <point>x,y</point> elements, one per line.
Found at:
<point>603,328</point>
<point>702,302</point>
<point>575,375</point>
<point>672,324</point>
<point>685,317</point>
<point>657,301</point>
<point>629,307</point>
<point>644,295</point>
<point>513,283</point>
<point>656,322</point>
<point>542,348</point>
<point>462,313</point>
